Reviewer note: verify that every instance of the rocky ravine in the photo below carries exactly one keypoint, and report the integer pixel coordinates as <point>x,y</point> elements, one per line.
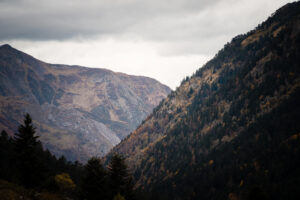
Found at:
<point>79,112</point>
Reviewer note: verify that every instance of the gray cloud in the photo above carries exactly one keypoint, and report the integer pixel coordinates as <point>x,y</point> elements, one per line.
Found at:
<point>194,26</point>
<point>42,20</point>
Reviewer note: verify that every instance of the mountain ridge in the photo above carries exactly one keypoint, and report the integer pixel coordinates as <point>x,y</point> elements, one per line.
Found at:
<point>95,106</point>
<point>176,153</point>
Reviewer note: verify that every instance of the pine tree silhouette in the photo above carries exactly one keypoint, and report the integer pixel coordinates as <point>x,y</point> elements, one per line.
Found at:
<point>120,178</point>
<point>94,182</point>
<point>26,146</point>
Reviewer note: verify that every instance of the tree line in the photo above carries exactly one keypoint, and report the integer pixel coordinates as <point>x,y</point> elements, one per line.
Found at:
<point>24,162</point>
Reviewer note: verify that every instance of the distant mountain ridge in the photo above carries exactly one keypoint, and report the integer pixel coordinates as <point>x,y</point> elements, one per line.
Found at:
<point>231,131</point>
<point>79,112</point>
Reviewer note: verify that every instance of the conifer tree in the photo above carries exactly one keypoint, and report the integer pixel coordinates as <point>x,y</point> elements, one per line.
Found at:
<point>26,138</point>
<point>6,156</point>
<point>94,185</point>
<point>26,147</point>
<point>120,179</point>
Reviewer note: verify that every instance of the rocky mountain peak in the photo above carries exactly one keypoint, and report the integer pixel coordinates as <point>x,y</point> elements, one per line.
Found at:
<point>79,112</point>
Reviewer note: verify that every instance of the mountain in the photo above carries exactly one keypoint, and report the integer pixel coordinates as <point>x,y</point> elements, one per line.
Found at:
<point>230,131</point>
<point>79,112</point>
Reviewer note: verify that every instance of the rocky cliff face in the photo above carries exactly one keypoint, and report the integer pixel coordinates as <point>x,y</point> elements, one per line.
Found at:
<point>79,112</point>
<point>231,127</point>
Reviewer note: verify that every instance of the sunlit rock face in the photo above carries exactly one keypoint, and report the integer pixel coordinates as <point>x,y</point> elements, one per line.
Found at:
<point>79,112</point>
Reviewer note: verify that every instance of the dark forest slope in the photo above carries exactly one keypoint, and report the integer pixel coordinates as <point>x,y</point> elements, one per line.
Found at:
<point>232,130</point>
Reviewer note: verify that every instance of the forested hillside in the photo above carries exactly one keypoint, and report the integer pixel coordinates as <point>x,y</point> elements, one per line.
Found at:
<point>232,129</point>
<point>30,172</point>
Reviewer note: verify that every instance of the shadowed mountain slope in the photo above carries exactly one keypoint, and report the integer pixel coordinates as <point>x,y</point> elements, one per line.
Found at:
<point>231,131</point>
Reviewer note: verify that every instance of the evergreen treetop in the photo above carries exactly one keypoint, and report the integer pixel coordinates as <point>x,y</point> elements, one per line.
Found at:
<point>26,138</point>
<point>94,185</point>
<point>120,178</point>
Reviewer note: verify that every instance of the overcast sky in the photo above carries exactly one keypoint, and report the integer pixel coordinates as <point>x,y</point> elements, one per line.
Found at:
<point>163,39</point>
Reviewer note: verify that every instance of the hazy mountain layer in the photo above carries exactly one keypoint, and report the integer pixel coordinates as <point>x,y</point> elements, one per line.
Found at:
<point>232,130</point>
<point>79,112</point>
